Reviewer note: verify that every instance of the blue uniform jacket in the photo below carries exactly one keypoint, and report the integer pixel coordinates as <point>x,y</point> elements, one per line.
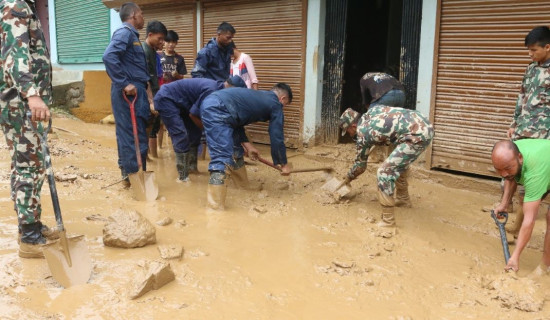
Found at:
<point>212,62</point>
<point>188,93</point>
<point>124,58</point>
<point>248,106</point>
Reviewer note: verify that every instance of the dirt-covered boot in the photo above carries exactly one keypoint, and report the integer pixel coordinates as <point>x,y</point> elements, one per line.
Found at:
<point>32,241</point>
<point>153,147</point>
<point>239,175</point>
<point>514,228</point>
<point>182,164</point>
<point>388,205</point>
<point>217,190</point>
<point>193,166</point>
<point>47,232</point>
<point>402,198</point>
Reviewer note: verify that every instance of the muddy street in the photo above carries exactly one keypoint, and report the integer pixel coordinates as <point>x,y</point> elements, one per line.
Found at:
<point>281,250</point>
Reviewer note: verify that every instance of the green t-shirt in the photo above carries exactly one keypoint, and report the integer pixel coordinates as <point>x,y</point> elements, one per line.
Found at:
<point>535,172</point>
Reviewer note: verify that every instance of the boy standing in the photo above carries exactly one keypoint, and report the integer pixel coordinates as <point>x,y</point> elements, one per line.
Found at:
<point>173,64</point>
<point>532,114</point>
<point>156,31</point>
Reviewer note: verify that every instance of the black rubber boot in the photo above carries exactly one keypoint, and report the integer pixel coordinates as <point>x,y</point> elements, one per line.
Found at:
<point>193,167</point>
<point>182,165</point>
<point>32,241</point>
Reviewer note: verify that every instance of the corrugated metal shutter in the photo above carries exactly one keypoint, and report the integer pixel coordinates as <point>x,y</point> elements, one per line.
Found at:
<point>273,34</point>
<point>82,29</point>
<point>480,64</point>
<point>180,18</point>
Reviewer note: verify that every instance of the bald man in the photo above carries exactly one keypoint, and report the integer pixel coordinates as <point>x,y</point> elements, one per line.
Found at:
<point>525,162</point>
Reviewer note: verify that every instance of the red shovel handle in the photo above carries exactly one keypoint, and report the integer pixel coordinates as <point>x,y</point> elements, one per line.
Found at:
<point>134,126</point>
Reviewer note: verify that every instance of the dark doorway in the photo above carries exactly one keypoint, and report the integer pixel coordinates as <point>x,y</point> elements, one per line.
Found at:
<point>373,44</point>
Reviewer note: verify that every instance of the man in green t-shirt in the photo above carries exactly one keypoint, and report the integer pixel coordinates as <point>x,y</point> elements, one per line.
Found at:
<point>525,162</point>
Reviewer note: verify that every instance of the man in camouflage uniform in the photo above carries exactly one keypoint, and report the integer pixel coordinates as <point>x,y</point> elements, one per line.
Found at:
<point>532,114</point>
<point>25,86</point>
<point>408,130</point>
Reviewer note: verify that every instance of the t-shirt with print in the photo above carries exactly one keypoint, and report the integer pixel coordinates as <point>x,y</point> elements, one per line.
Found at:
<point>171,63</point>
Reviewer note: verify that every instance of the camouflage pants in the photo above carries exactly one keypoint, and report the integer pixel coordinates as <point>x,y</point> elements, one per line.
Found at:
<point>27,162</point>
<point>397,162</point>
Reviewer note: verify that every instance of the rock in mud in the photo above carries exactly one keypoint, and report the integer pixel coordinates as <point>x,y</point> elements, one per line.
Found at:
<point>65,177</point>
<point>110,119</point>
<point>517,293</point>
<point>164,221</point>
<point>170,252</point>
<point>158,274</point>
<point>128,229</point>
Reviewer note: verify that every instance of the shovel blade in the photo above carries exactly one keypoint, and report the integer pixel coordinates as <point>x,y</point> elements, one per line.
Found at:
<point>144,185</point>
<point>332,186</point>
<point>69,274</point>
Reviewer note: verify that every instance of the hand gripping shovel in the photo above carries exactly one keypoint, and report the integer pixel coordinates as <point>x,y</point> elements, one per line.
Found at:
<point>68,259</point>
<point>502,233</point>
<point>338,186</point>
<point>143,183</point>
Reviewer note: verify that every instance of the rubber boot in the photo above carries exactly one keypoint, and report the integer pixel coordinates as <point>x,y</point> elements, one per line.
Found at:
<point>160,135</point>
<point>239,175</point>
<point>402,198</point>
<point>388,205</point>
<point>182,164</point>
<point>126,182</point>
<point>153,147</point>
<point>47,232</point>
<point>217,190</point>
<point>32,241</point>
<point>193,167</point>
<point>514,229</point>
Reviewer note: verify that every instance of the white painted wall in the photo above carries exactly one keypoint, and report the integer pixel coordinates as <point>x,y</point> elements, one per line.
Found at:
<point>425,66</point>
<point>315,49</point>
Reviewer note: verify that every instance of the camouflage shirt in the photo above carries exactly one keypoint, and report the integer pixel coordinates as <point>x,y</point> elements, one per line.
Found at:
<point>383,125</point>
<point>532,115</point>
<point>24,56</point>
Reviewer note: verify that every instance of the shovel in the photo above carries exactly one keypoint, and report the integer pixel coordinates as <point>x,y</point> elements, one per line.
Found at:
<point>68,259</point>
<point>328,170</point>
<point>143,183</point>
<point>502,231</point>
<point>338,186</point>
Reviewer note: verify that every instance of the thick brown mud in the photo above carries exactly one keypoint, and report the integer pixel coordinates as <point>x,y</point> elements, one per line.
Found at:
<point>281,250</point>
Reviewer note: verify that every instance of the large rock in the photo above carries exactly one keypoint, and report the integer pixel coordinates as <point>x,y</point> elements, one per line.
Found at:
<point>128,229</point>
<point>158,274</point>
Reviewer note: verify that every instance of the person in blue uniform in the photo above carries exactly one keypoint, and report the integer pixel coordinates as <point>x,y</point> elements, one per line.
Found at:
<point>224,114</point>
<point>125,64</point>
<point>178,104</point>
<point>214,60</point>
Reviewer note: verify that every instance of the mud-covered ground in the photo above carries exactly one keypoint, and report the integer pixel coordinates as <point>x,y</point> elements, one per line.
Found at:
<point>280,251</point>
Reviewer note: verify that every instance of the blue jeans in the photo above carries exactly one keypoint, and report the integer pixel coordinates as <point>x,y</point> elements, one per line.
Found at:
<point>183,131</point>
<point>392,98</point>
<point>223,143</point>
<point>124,133</point>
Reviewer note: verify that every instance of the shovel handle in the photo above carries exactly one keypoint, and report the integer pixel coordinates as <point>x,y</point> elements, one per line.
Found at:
<point>328,169</point>
<point>269,163</point>
<point>49,169</point>
<point>134,126</point>
<point>500,225</point>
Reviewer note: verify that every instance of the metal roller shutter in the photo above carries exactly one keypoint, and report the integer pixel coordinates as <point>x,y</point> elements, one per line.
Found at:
<point>180,18</point>
<point>480,60</point>
<point>273,34</point>
<point>77,41</point>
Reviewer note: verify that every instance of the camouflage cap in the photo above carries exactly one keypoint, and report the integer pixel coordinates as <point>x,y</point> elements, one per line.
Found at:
<point>347,118</point>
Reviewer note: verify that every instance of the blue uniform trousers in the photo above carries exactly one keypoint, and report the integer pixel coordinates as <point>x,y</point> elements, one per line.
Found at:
<point>183,131</point>
<point>124,135</point>
<point>224,144</point>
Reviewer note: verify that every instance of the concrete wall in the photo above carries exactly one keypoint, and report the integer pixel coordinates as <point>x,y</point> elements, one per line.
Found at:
<point>313,88</point>
<point>425,67</point>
